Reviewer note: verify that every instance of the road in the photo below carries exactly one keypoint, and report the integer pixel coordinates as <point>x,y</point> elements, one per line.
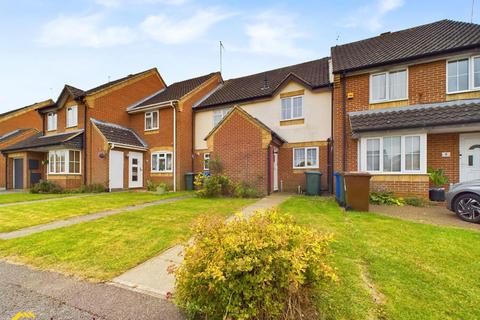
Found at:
<point>50,295</point>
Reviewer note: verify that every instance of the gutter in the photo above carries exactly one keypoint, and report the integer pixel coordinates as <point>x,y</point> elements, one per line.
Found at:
<point>113,145</point>
<point>153,106</point>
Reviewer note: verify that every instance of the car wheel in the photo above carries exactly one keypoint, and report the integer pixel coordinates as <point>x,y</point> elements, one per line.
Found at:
<point>467,207</point>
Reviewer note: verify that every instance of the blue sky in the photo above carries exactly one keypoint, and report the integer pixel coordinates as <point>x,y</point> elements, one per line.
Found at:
<point>45,44</point>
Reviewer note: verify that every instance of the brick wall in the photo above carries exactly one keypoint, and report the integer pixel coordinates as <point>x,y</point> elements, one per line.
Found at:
<point>402,188</point>
<point>238,145</point>
<point>444,142</point>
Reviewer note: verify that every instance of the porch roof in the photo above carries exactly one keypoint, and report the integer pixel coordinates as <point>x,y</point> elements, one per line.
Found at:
<point>12,134</point>
<point>117,134</point>
<point>421,116</point>
<point>72,140</point>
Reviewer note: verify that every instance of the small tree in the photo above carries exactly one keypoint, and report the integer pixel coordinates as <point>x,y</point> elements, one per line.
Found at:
<point>437,177</point>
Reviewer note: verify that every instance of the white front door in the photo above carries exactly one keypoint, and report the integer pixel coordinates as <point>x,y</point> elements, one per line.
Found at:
<point>469,156</point>
<point>275,169</point>
<point>135,170</point>
<point>115,170</point>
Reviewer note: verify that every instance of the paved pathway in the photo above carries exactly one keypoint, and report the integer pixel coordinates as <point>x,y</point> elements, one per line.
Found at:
<point>79,219</point>
<point>152,277</point>
<point>51,295</point>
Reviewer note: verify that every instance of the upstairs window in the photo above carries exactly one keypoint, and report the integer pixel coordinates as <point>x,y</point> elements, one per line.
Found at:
<point>292,108</point>
<point>52,121</point>
<point>162,162</point>
<point>151,120</point>
<point>388,86</point>
<point>463,74</point>
<point>219,114</point>
<point>72,116</point>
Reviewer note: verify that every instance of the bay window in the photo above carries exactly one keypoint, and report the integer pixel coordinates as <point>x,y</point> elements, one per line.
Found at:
<point>151,120</point>
<point>393,154</point>
<point>64,162</point>
<point>292,108</point>
<point>162,162</point>
<point>305,158</point>
<point>463,74</point>
<point>388,86</point>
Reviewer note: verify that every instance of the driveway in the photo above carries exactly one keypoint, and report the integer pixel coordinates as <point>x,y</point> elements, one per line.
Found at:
<point>53,296</point>
<point>436,215</point>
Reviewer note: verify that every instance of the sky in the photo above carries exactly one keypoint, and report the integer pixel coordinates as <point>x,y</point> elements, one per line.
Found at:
<point>46,44</point>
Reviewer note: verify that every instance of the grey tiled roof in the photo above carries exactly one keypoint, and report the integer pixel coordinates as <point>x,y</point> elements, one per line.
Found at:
<point>261,85</point>
<point>422,41</point>
<point>174,91</point>
<point>458,112</point>
<point>72,140</point>
<point>115,133</point>
<point>12,134</point>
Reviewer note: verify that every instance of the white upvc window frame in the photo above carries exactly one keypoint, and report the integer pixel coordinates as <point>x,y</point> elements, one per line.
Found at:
<point>471,74</point>
<point>219,114</point>
<point>302,116</point>
<point>71,114</point>
<point>51,121</point>
<point>152,115</point>
<point>317,151</point>
<point>206,161</point>
<point>161,155</point>
<point>423,154</point>
<point>66,153</point>
<point>387,86</point>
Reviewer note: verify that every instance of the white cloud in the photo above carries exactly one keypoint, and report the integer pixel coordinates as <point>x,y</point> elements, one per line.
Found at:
<point>84,31</point>
<point>117,3</point>
<point>371,16</point>
<point>275,33</point>
<point>169,30</point>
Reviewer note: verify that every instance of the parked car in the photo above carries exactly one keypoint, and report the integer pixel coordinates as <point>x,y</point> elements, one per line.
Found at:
<point>464,199</point>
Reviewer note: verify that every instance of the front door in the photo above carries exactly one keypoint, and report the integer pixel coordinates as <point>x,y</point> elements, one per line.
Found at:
<point>17,173</point>
<point>275,169</point>
<point>469,156</point>
<point>116,170</point>
<point>135,176</point>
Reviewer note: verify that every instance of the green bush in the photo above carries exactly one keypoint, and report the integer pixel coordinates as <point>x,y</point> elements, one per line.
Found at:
<point>211,187</point>
<point>437,177</point>
<point>159,187</point>
<point>243,190</point>
<point>386,198</point>
<point>45,186</point>
<point>416,202</point>
<point>264,267</point>
<point>92,188</point>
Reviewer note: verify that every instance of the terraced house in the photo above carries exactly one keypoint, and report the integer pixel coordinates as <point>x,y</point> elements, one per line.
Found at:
<point>267,129</point>
<point>408,100</point>
<point>108,134</point>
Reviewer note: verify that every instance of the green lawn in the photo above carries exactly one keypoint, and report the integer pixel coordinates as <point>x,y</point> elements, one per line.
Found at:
<point>105,248</point>
<point>24,196</point>
<point>25,215</point>
<point>418,271</point>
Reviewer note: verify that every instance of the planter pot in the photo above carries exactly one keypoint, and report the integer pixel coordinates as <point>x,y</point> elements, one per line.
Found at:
<point>437,194</point>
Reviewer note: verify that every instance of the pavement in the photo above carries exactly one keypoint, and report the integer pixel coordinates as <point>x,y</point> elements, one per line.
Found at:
<point>50,295</point>
<point>151,277</point>
<point>75,220</point>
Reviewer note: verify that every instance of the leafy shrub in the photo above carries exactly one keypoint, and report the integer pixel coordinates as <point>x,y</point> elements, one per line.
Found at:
<point>264,267</point>
<point>416,202</point>
<point>386,198</point>
<point>243,190</point>
<point>159,187</point>
<point>437,177</point>
<point>45,186</point>
<point>211,188</point>
<point>92,188</point>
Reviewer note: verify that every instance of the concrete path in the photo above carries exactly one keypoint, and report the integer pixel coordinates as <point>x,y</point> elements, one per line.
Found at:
<point>85,218</point>
<point>51,295</point>
<point>151,277</point>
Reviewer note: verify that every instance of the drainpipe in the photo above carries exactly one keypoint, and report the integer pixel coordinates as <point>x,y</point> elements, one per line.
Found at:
<point>344,120</point>
<point>269,169</point>
<point>174,146</point>
<point>5,155</point>
<point>85,125</point>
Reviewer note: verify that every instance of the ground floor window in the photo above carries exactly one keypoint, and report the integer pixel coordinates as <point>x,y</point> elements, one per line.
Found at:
<point>162,162</point>
<point>393,154</point>
<point>64,162</point>
<point>305,158</point>
<point>206,161</point>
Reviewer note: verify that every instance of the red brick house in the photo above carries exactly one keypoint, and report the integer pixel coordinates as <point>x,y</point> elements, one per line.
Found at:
<point>267,129</point>
<point>408,100</point>
<point>106,134</point>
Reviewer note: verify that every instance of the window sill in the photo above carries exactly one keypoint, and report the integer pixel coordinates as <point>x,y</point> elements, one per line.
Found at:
<point>152,131</point>
<point>305,168</point>
<point>387,101</point>
<point>292,122</point>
